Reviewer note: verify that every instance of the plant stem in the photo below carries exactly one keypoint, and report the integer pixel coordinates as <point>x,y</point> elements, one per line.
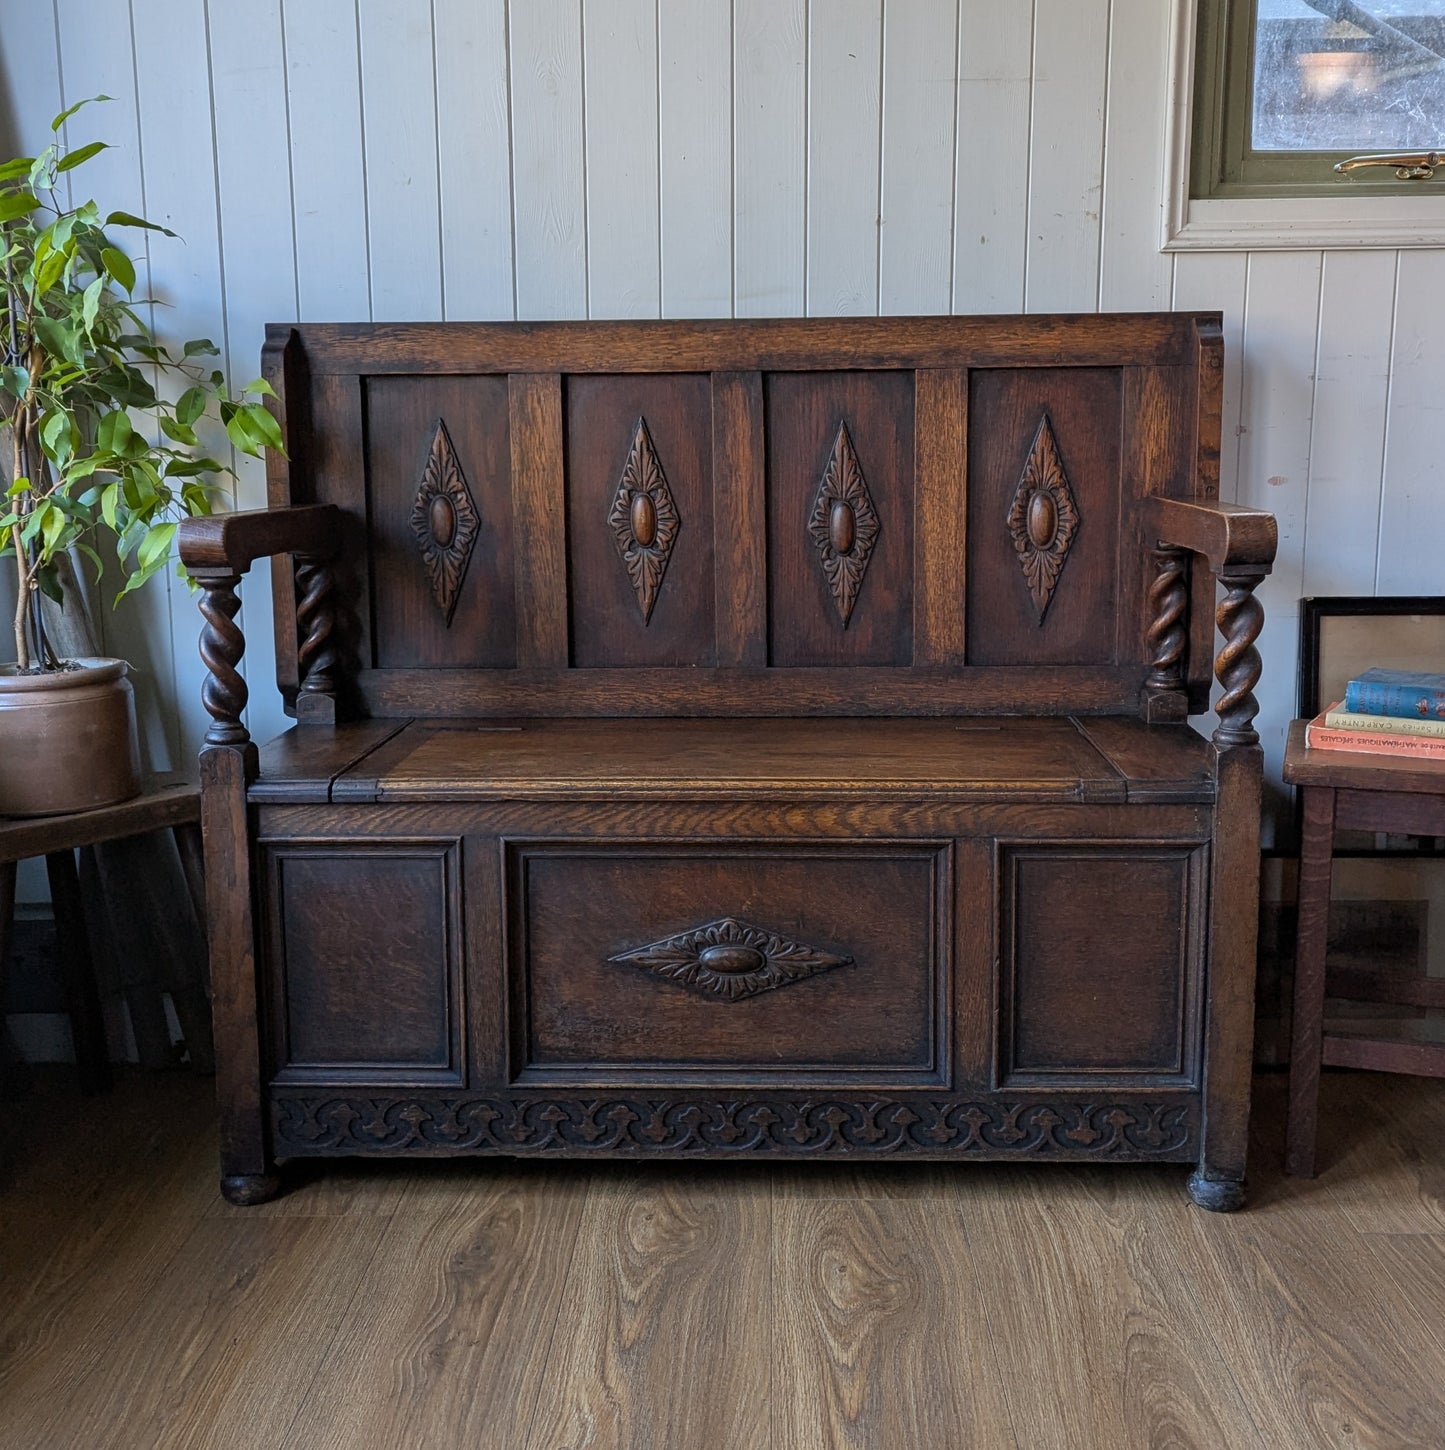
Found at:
<point>22,561</point>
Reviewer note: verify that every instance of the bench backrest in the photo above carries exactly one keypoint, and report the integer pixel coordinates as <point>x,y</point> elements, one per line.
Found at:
<point>840,516</point>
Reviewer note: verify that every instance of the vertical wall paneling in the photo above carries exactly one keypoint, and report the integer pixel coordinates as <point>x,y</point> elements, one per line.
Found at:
<point>549,187</point>
<point>328,181</point>
<point>769,155</point>
<point>1134,275</point>
<point>1357,299</point>
<point>990,222</point>
<point>474,161</point>
<point>177,147</point>
<point>1414,488</point>
<point>258,252</point>
<point>1066,164</point>
<point>29,78</point>
<point>845,60</point>
<point>695,100</point>
<point>1215,282</point>
<point>624,250</point>
<point>399,123</point>
<point>920,97</point>
<point>97,58</point>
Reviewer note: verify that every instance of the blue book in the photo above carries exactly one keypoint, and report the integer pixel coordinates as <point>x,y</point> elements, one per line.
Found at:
<point>1407,694</point>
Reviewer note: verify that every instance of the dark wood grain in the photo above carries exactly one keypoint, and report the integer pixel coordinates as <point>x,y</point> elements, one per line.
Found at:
<point>740,501</point>
<point>940,427</point>
<point>231,543</point>
<point>539,514</point>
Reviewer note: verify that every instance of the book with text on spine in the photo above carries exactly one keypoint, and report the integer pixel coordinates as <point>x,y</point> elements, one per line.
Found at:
<point>1320,736</point>
<point>1340,719</point>
<point>1411,694</point>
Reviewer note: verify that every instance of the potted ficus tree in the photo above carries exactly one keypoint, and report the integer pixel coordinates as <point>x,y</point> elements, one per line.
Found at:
<point>98,438</point>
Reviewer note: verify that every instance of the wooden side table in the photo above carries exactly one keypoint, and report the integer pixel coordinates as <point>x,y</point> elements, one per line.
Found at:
<point>169,803</point>
<point>1343,791</point>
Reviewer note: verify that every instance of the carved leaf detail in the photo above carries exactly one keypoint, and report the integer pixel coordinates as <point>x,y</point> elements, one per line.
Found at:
<point>1043,518</point>
<point>731,959</point>
<point>844,524</point>
<point>644,519</point>
<point>444,520</point>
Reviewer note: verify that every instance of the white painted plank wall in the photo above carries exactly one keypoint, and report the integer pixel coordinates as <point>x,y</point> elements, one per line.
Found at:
<point>344,159</point>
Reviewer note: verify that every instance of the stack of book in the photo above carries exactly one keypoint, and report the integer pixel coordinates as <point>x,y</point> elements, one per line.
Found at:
<point>1386,712</point>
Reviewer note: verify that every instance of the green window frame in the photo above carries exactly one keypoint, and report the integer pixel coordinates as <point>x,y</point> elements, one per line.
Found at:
<point>1222,163</point>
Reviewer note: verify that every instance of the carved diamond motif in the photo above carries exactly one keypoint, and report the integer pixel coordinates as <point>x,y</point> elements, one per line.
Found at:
<point>1043,518</point>
<point>444,521</point>
<point>644,519</point>
<point>844,524</point>
<point>731,959</point>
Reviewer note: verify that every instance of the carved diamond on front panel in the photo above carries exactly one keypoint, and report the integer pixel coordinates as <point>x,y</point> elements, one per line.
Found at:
<point>444,520</point>
<point>844,524</point>
<point>644,519</point>
<point>731,959</point>
<point>1043,518</point>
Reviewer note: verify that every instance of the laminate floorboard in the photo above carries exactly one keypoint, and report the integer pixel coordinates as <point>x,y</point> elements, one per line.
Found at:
<point>555,1306</point>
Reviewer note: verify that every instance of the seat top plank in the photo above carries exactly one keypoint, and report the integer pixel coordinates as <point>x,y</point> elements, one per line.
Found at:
<point>986,758</point>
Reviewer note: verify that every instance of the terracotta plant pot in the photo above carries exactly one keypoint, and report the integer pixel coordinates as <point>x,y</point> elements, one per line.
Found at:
<point>67,739</point>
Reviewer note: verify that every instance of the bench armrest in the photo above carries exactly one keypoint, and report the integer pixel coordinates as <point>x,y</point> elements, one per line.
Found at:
<point>216,552</point>
<point>1239,546</point>
<point>1228,535</point>
<point>231,543</point>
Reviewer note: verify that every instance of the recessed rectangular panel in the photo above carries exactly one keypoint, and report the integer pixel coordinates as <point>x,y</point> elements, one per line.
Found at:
<point>840,518</point>
<point>1101,948</point>
<point>1043,516</point>
<point>678,960</point>
<point>364,975</point>
<point>439,502</point>
<point>639,519</point>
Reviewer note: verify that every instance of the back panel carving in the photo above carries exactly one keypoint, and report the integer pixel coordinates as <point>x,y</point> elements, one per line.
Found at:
<point>631,438</point>
<point>450,604</point>
<point>1059,607</point>
<point>826,434</point>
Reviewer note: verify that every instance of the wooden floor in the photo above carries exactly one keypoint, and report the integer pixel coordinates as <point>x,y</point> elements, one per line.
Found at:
<point>724,1308</point>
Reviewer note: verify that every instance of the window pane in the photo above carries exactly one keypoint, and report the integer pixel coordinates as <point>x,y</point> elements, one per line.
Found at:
<point>1349,75</point>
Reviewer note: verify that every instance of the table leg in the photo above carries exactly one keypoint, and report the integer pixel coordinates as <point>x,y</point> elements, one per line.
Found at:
<point>1317,843</point>
<point>77,973</point>
<point>13,1077</point>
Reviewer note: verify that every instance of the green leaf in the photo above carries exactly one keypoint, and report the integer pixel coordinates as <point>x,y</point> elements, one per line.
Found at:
<point>260,386</point>
<point>114,432</point>
<point>58,436</point>
<point>49,577</point>
<point>20,166</point>
<point>109,497</point>
<point>190,405</point>
<point>66,114</point>
<point>201,347</point>
<point>53,527</point>
<point>92,556</point>
<point>14,380</point>
<point>91,303</point>
<point>179,432</point>
<point>80,156</point>
<point>264,425</point>
<point>129,219</point>
<point>156,546</point>
<point>21,485</point>
<point>47,274</point>
<point>119,266</point>
<point>17,204</point>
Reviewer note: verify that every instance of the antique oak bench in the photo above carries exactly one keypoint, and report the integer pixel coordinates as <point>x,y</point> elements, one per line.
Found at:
<point>739,739</point>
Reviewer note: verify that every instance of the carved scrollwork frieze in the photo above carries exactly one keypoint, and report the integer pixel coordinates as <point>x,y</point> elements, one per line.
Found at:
<point>644,519</point>
<point>1043,518</point>
<point>794,1127</point>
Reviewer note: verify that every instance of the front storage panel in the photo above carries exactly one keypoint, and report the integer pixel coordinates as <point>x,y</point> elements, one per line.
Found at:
<point>823,962</point>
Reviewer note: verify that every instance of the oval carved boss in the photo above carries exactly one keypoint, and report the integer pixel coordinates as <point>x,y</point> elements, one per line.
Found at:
<point>644,519</point>
<point>1043,519</point>
<point>731,958</point>
<point>842,526</point>
<point>442,517</point>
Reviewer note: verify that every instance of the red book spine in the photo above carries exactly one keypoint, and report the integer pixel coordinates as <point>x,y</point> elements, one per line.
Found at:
<point>1319,736</point>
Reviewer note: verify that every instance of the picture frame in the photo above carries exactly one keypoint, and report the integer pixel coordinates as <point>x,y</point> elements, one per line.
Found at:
<point>1340,635</point>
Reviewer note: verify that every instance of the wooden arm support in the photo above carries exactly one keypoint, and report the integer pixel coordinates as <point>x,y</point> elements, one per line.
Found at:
<point>1239,546</point>
<point>216,552</point>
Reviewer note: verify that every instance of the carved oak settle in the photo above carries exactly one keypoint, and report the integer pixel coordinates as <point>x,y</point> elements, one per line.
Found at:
<point>737,739</point>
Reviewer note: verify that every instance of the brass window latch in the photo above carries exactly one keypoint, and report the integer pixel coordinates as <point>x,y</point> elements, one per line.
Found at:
<point>1407,165</point>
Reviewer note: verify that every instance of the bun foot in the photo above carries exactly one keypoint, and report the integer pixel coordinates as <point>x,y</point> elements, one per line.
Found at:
<point>248,1189</point>
<point>1218,1195</point>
